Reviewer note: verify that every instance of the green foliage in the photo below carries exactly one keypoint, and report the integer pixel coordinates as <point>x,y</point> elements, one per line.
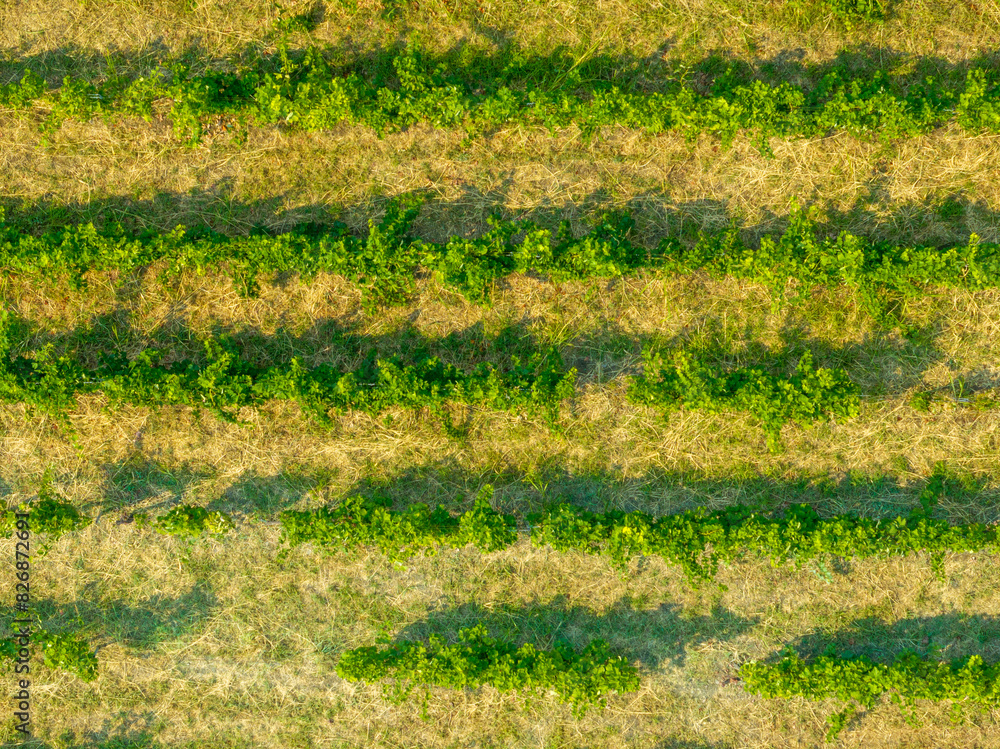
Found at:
<point>67,652</point>
<point>23,93</point>
<point>385,262</point>
<point>860,681</point>
<point>484,527</point>
<point>357,521</point>
<point>696,540</point>
<point>858,10</point>
<point>807,396</point>
<point>580,678</point>
<point>838,722</point>
<point>482,95</point>
<point>56,518</point>
<point>226,382</point>
<point>187,520</point>
<point>48,515</point>
<point>64,651</point>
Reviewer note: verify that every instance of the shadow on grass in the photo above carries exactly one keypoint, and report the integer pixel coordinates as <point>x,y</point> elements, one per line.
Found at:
<point>256,493</point>
<point>133,481</point>
<point>159,619</point>
<point>502,62</point>
<point>658,491</point>
<point>125,729</point>
<point>942,637</point>
<point>651,636</point>
<point>939,219</point>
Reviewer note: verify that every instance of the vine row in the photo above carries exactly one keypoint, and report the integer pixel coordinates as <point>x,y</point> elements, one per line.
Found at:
<point>808,396</point>
<point>385,262</point>
<point>696,540</point>
<point>226,381</point>
<point>582,678</point>
<point>311,93</point>
<point>860,681</point>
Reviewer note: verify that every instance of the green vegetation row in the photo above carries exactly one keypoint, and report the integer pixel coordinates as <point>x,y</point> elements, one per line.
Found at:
<point>64,651</point>
<point>482,95</point>
<point>860,681</point>
<point>696,540</point>
<point>54,518</point>
<point>385,261</point>
<point>808,396</point>
<point>581,678</point>
<point>226,381</point>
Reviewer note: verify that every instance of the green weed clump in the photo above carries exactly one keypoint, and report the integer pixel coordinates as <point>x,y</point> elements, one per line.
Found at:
<point>581,678</point>
<point>47,514</point>
<point>187,520</point>
<point>808,396</point>
<point>852,11</point>
<point>67,652</point>
<point>860,681</point>
<point>63,651</point>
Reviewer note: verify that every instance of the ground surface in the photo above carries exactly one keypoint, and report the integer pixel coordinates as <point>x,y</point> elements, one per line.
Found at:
<point>216,643</point>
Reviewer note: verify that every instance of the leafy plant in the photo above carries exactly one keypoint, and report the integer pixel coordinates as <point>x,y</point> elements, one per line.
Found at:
<point>860,681</point>
<point>226,382</point>
<point>64,651</point>
<point>484,94</point>
<point>808,396</point>
<point>850,11</point>
<point>581,678</point>
<point>187,520</point>
<point>48,515</point>
<point>357,521</point>
<point>67,652</point>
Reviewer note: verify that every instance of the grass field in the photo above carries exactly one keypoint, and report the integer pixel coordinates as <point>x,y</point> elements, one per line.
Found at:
<point>221,642</point>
